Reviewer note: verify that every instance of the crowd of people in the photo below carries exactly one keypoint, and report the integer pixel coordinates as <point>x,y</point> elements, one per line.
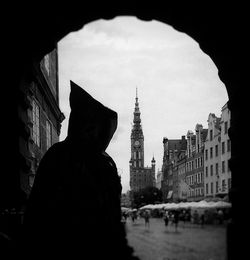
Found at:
<point>175,216</point>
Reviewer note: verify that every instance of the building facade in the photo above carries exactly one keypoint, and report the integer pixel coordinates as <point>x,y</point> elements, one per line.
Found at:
<point>195,163</point>
<point>171,149</point>
<point>201,170</point>
<point>183,188</point>
<point>212,158</point>
<point>225,177</point>
<point>41,115</point>
<point>217,155</point>
<point>140,176</point>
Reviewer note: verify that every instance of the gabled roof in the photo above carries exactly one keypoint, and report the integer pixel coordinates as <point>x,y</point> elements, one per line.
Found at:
<point>177,144</point>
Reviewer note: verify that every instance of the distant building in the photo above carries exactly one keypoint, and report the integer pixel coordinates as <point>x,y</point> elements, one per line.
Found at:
<point>195,163</point>
<point>172,147</point>
<point>217,156</point>
<point>212,156</point>
<point>140,176</point>
<point>198,167</point>
<point>225,176</point>
<point>183,188</point>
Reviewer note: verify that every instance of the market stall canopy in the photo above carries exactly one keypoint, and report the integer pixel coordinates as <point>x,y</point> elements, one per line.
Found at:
<point>185,205</point>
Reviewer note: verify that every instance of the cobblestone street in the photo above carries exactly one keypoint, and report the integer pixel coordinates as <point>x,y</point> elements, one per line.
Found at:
<point>190,242</point>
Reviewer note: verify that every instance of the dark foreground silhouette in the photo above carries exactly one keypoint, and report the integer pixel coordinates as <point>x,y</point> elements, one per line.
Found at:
<point>74,206</point>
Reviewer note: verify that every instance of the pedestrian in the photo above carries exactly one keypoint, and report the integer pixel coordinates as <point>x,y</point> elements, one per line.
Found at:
<point>166,218</point>
<point>195,217</point>
<point>146,218</point>
<point>202,220</point>
<point>176,219</point>
<point>74,207</point>
<point>220,216</point>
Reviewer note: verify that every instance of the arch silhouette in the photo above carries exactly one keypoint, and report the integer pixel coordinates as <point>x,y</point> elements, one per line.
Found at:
<point>34,30</point>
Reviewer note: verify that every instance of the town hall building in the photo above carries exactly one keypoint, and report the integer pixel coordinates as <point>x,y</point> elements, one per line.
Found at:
<point>140,176</point>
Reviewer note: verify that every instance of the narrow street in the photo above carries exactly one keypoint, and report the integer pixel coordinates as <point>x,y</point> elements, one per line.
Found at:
<point>190,242</point>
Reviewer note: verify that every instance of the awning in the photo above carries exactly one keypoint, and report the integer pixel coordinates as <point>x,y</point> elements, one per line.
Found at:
<point>170,193</point>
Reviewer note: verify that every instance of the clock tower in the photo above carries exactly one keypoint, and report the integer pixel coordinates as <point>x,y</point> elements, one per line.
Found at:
<point>140,176</point>
<point>137,139</point>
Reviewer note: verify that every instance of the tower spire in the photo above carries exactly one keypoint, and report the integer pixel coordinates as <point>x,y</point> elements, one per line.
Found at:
<point>136,97</point>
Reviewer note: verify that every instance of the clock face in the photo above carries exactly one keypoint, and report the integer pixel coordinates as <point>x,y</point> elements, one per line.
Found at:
<point>137,143</point>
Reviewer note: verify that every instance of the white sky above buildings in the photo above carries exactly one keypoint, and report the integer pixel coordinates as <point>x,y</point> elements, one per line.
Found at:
<point>178,84</point>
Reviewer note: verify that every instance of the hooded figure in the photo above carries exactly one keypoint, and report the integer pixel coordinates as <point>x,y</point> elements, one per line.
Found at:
<point>74,206</point>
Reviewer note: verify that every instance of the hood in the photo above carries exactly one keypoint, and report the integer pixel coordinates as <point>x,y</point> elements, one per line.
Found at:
<point>91,124</point>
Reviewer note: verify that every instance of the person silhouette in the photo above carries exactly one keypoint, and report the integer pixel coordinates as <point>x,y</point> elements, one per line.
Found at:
<point>76,183</point>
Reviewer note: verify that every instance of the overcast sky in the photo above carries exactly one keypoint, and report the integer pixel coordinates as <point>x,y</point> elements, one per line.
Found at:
<point>178,84</point>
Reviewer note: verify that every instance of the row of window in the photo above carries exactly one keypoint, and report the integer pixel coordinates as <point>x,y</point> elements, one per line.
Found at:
<point>223,168</point>
<point>36,127</point>
<point>223,149</point>
<point>137,164</point>
<point>137,155</point>
<point>197,163</point>
<point>195,178</point>
<point>197,192</point>
<point>224,186</point>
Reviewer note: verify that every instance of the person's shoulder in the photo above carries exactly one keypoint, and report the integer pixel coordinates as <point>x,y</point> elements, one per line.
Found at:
<point>55,151</point>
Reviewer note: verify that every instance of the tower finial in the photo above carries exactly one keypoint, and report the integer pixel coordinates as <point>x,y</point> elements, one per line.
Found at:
<point>136,97</point>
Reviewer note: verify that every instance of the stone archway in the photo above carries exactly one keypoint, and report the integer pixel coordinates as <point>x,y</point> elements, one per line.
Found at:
<point>34,31</point>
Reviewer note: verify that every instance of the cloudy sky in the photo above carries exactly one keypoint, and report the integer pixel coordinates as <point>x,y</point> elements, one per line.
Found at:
<point>178,84</point>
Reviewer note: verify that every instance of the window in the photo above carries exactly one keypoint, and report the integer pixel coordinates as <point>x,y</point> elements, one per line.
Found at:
<point>217,186</point>
<point>212,188</point>
<point>201,161</point>
<point>36,123</point>
<point>206,171</point>
<point>211,170</point>
<point>216,150</point>
<point>223,185</point>
<point>223,147</point>
<point>211,152</point>
<point>206,188</point>
<point>48,134</point>
<point>216,168</point>
<point>229,183</point>
<point>225,128</point>
<point>134,155</point>
<point>228,167</point>
<point>223,166</point>
<point>211,135</point>
<point>206,154</point>
<point>228,145</point>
